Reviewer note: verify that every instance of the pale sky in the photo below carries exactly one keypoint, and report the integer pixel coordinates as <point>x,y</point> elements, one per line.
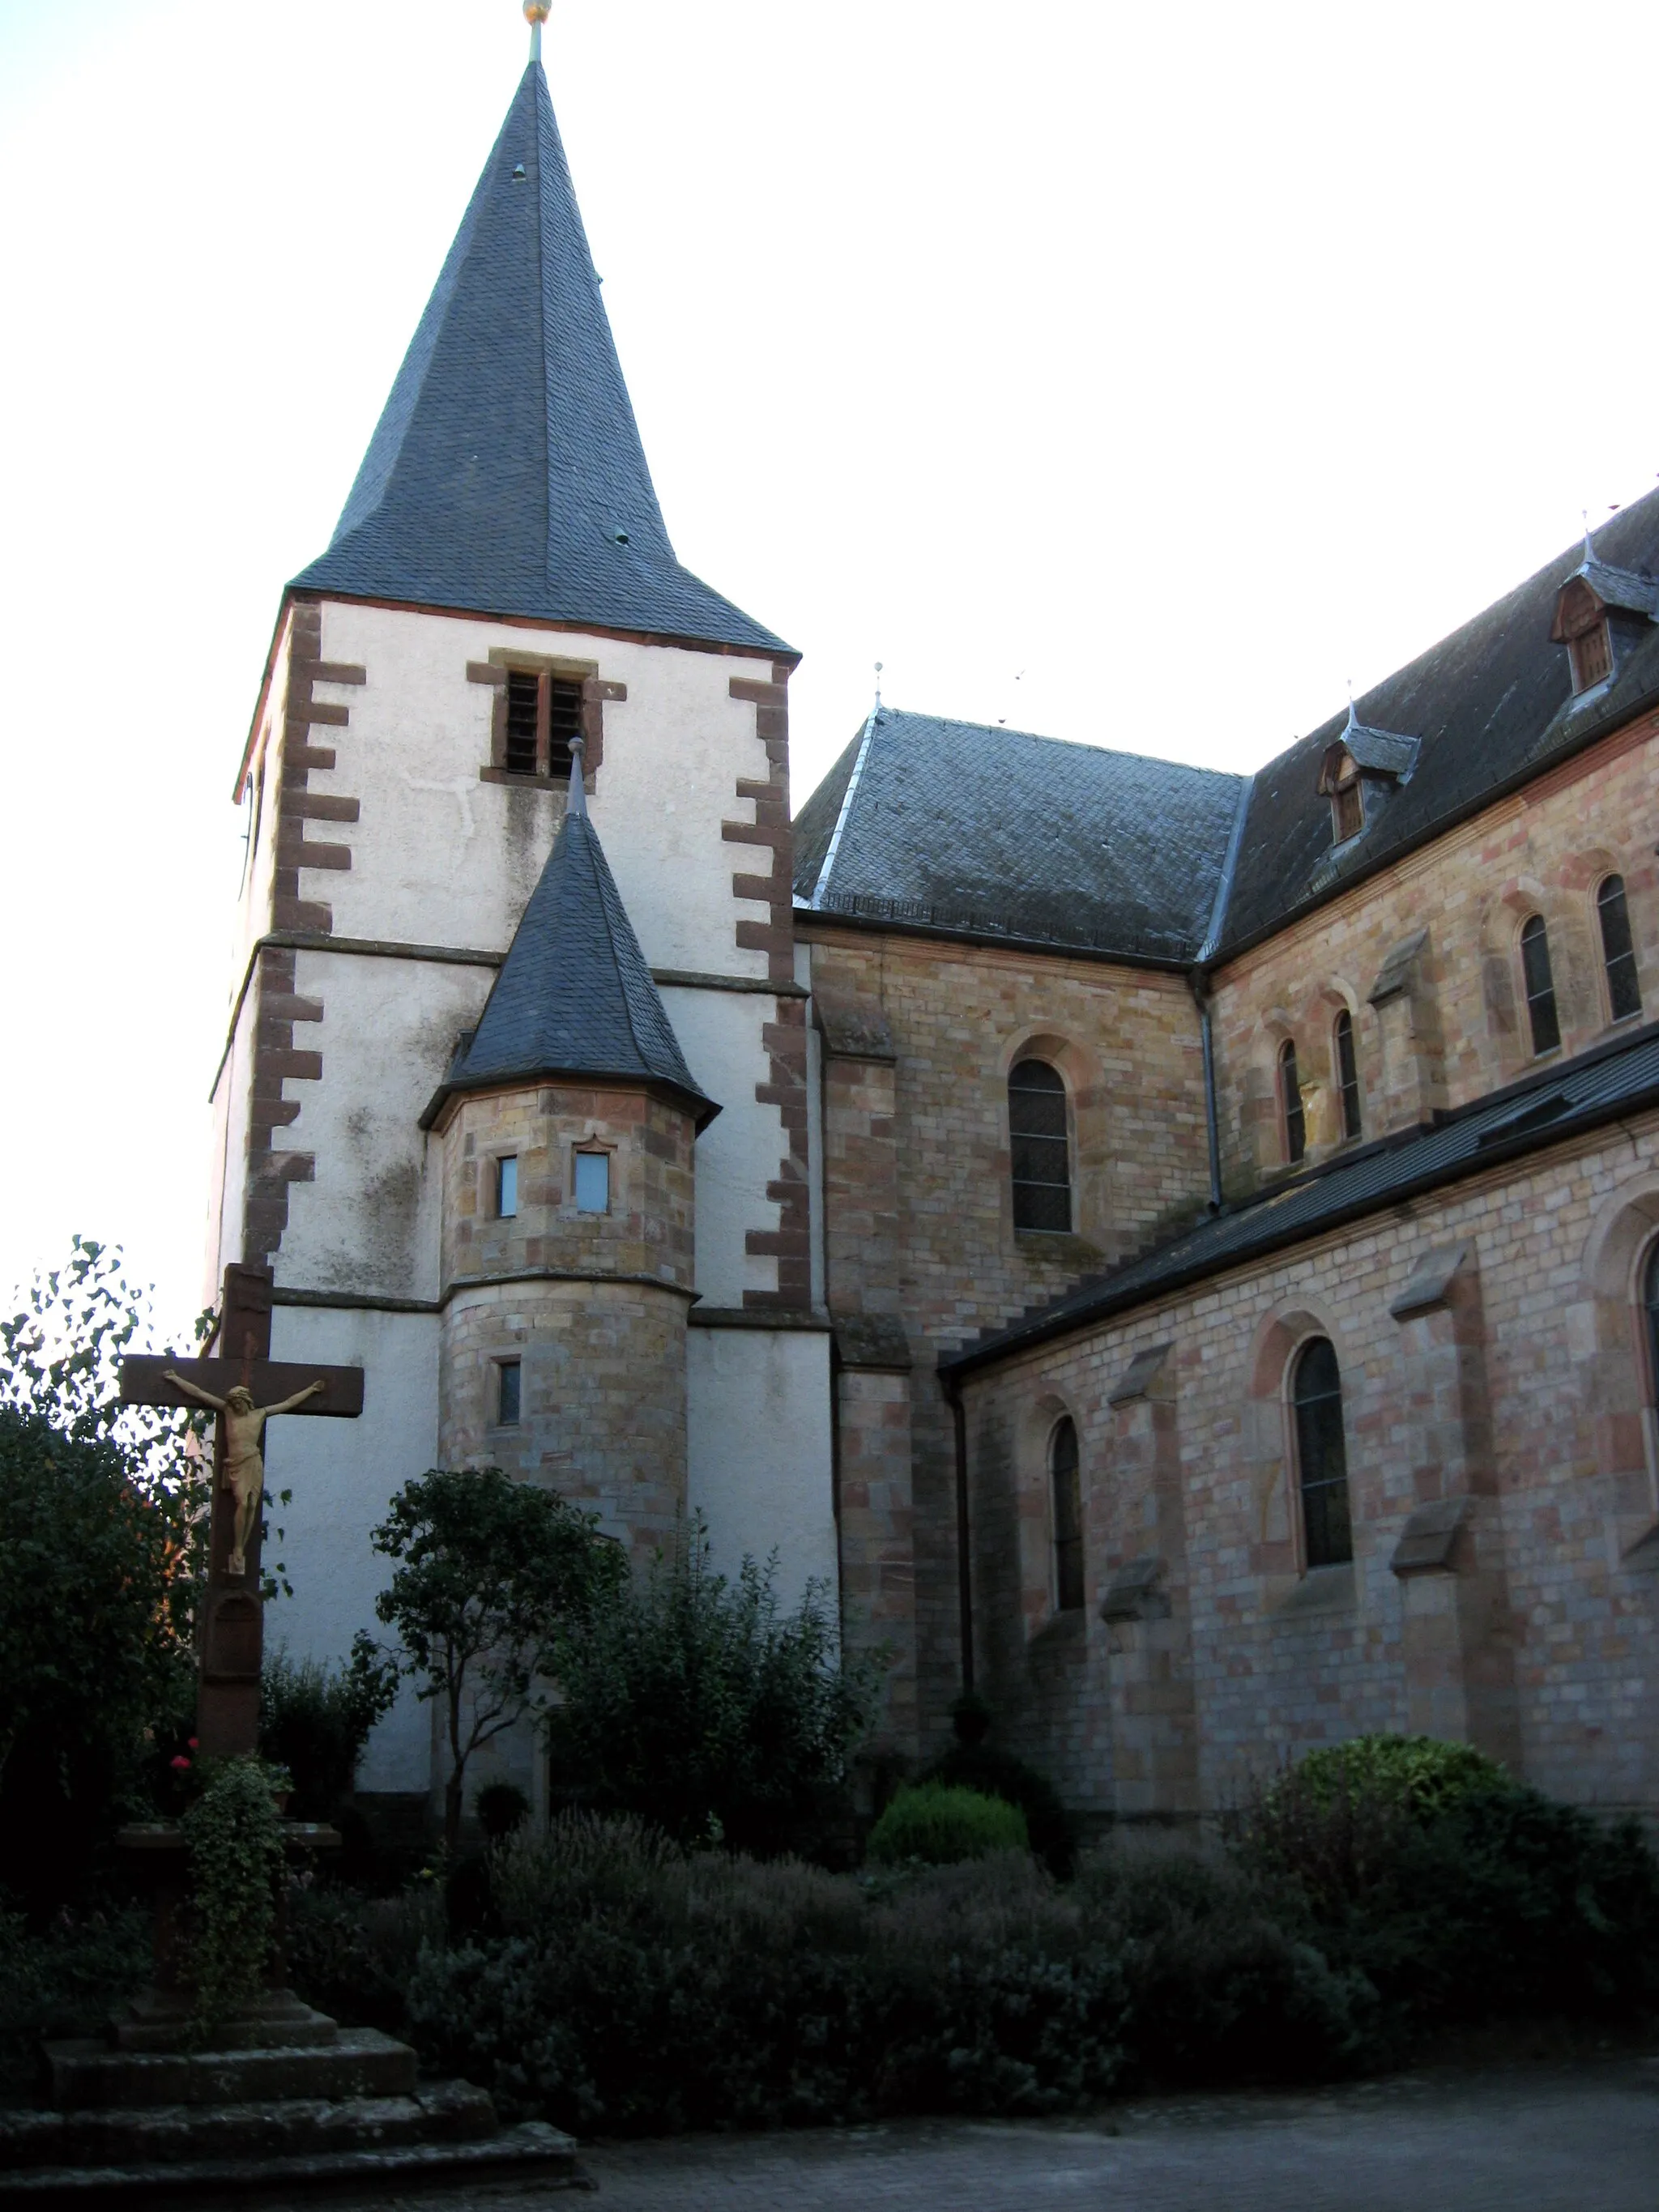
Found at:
<point>1137,374</point>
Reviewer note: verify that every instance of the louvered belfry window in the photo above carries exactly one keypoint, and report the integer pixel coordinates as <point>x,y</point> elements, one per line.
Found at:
<point>1321,1456</point>
<point>523,720</point>
<point>543,715</point>
<point>1042,1161</point>
<point>564,721</point>
<point>1540,984</point>
<point>1617,950</point>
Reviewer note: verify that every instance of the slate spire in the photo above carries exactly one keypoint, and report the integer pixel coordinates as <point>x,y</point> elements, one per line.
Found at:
<point>574,997</point>
<point>506,475</point>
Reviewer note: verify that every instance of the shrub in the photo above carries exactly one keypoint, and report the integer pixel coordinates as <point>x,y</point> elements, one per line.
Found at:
<point>353,1955</point>
<point>501,1807</point>
<point>1459,1894</point>
<point>64,1979</point>
<point>940,1823</point>
<point>697,1703</point>
<point>235,1839</point>
<point>974,1764</point>
<point>314,1721</point>
<point>638,1987</point>
<point>1219,1991</point>
<point>92,1652</point>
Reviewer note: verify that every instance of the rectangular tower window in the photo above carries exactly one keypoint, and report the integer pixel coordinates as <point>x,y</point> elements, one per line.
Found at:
<point>507,1394</point>
<point>507,1187</point>
<point>592,1182</point>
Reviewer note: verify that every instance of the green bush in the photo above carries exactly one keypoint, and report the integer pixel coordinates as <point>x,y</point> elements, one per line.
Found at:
<point>940,1823</point>
<point>699,1705</point>
<point>64,1979</point>
<point>314,1721</point>
<point>1458,1895</point>
<point>972,1764</point>
<point>353,1955</point>
<point>1219,1991</point>
<point>638,1987</point>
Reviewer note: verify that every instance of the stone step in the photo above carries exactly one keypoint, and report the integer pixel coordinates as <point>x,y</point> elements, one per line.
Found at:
<point>531,2152</point>
<point>360,2062</point>
<point>295,2127</point>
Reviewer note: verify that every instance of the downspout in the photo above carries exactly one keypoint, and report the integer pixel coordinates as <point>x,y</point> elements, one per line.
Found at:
<point>1200,983</point>
<point>964,1562</point>
<point>1198,977</point>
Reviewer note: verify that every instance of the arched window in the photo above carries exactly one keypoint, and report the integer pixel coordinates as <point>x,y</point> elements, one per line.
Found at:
<point>1618,952</point>
<point>1069,1515</point>
<point>1540,984</point>
<point>1347,1075</point>
<point>1321,1459</point>
<point>1036,1130</point>
<point>1650,1318</point>
<point>1290,1104</point>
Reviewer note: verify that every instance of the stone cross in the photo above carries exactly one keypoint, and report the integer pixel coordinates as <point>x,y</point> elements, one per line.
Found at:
<point>232,1645</point>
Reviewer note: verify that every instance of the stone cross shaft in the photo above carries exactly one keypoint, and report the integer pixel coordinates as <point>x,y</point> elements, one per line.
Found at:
<point>232,1639</point>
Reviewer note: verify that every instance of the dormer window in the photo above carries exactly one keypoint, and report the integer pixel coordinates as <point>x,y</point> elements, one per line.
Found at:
<point>1581,623</point>
<point>1599,612</point>
<point>1360,768</point>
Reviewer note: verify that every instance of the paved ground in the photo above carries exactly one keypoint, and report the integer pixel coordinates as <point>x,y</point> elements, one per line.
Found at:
<point>1532,2138</point>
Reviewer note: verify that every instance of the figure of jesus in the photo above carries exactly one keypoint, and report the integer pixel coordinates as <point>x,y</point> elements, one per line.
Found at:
<point>242,1425</point>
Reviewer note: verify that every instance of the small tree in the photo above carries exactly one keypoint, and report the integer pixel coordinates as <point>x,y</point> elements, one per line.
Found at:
<point>490,1573</point>
<point>100,1518</point>
<point>697,1703</point>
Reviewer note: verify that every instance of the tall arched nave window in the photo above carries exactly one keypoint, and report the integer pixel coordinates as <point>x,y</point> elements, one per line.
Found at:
<point>1293,1119</point>
<point>1321,1457</point>
<point>1039,1155</point>
<point>1348,1075</point>
<point>1540,978</point>
<point>1065,1485</point>
<point>1617,950</point>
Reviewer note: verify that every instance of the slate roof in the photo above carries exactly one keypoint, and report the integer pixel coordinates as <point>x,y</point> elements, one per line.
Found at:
<point>507,476</point>
<point>574,996</point>
<point>982,831</point>
<point>1490,706</point>
<point>1601,1085</point>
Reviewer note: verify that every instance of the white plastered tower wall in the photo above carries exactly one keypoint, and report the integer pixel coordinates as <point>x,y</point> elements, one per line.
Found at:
<point>441,863</point>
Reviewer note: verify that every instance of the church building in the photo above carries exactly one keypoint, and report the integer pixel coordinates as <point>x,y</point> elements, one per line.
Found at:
<point>1177,1251</point>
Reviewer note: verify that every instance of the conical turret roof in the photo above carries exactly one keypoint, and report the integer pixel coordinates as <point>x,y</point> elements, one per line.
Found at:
<point>575,996</point>
<point>506,475</point>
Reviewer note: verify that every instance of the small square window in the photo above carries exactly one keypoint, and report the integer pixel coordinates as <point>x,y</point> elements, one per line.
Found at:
<point>592,1182</point>
<point>507,1187</point>
<point>507,1394</point>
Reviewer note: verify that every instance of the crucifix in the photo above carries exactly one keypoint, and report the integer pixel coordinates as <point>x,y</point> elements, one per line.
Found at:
<point>244,1388</point>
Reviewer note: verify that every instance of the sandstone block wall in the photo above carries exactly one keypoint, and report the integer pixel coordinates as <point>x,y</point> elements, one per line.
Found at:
<point>1497,1408</point>
<point>918,1040</point>
<point>1450,1023</point>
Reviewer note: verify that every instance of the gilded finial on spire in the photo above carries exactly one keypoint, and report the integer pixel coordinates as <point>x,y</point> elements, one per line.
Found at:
<point>535,13</point>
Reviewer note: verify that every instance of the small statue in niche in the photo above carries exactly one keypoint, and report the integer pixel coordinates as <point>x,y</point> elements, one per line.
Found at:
<point>241,1426</point>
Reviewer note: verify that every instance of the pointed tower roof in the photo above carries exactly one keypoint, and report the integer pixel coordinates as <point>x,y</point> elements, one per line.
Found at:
<point>506,475</point>
<point>574,997</point>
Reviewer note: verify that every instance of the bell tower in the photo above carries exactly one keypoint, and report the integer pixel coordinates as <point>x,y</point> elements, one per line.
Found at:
<point>518,888</point>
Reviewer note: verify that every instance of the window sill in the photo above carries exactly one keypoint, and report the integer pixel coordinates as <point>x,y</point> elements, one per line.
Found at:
<point>559,780</point>
<point>1064,1246</point>
<point>1321,1590</point>
<point>1070,1626</point>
